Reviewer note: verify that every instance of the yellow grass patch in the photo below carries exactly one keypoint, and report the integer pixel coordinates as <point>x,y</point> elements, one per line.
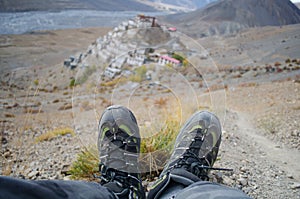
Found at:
<point>56,132</point>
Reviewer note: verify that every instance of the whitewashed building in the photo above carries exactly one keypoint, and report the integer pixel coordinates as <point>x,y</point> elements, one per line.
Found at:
<point>136,58</point>
<point>164,60</point>
<point>112,72</point>
<point>118,63</point>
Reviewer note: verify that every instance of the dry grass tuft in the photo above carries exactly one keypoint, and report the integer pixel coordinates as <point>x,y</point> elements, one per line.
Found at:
<point>161,102</point>
<point>9,115</point>
<point>86,164</point>
<point>248,84</point>
<point>66,106</point>
<point>113,82</point>
<point>55,101</point>
<point>155,151</point>
<point>52,134</point>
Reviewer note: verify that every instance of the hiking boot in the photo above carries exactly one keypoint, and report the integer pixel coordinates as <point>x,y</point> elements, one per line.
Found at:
<point>119,147</point>
<point>195,151</point>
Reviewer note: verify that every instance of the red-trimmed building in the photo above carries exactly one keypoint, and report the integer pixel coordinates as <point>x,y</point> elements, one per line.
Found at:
<point>163,60</point>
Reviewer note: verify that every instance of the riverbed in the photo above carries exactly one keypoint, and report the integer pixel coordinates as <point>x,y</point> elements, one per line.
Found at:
<point>25,22</point>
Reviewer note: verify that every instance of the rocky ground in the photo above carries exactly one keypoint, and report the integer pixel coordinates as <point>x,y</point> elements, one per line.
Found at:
<point>260,115</point>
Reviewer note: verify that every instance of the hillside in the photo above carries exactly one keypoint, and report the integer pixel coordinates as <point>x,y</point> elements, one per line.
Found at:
<point>57,5</point>
<point>177,5</point>
<point>229,16</point>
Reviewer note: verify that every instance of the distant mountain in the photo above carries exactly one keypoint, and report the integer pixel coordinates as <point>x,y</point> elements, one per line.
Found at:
<point>57,5</point>
<point>188,4</point>
<point>231,16</point>
<point>103,5</point>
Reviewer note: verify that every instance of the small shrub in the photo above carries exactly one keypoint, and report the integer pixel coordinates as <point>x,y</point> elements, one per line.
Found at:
<point>178,57</point>
<point>237,76</point>
<point>216,87</point>
<point>145,99</point>
<point>52,134</point>
<point>135,78</point>
<point>9,115</point>
<point>155,151</point>
<point>249,84</point>
<point>161,102</point>
<point>185,63</point>
<point>140,74</point>
<point>65,107</point>
<point>288,61</point>
<point>113,82</point>
<point>36,82</point>
<point>55,101</point>
<point>55,88</point>
<point>85,165</point>
<point>72,83</point>
<point>169,65</point>
<point>277,64</point>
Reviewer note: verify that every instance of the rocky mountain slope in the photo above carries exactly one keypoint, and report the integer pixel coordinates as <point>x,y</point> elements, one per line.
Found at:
<point>177,5</point>
<point>57,5</point>
<point>229,16</point>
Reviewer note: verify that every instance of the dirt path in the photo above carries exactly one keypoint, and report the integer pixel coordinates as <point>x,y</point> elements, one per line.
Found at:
<point>285,158</point>
<point>263,168</point>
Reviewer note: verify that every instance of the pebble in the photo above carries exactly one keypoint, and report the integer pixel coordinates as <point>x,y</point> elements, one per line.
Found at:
<point>290,176</point>
<point>65,169</point>
<point>27,171</point>
<point>243,169</point>
<point>7,154</point>
<point>32,164</point>
<point>296,185</point>
<point>243,181</point>
<point>67,177</point>
<point>33,174</point>
<point>227,180</point>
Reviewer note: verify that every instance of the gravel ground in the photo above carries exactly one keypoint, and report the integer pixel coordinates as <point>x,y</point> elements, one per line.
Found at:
<point>260,140</point>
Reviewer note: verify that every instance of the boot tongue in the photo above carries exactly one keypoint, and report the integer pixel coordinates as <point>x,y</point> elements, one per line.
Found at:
<point>116,154</point>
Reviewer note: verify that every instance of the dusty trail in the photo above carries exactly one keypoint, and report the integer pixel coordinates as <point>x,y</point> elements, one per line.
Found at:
<point>286,159</point>
<point>262,168</point>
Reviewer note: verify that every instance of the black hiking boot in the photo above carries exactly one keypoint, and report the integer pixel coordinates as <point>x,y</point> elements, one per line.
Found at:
<point>119,147</point>
<point>195,151</point>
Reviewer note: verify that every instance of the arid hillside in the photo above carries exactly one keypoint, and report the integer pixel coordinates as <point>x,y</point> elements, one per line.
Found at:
<point>229,16</point>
